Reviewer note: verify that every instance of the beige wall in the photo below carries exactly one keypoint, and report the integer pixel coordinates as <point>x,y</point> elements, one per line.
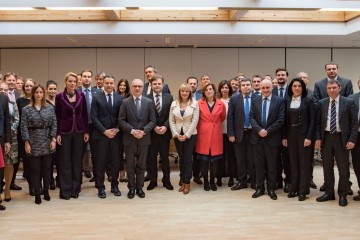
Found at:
<point>176,64</point>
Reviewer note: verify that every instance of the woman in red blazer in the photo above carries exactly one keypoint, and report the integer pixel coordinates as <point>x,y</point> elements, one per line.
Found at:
<point>209,145</point>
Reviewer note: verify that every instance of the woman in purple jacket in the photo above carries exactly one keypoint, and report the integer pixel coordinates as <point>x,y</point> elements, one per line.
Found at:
<point>72,132</point>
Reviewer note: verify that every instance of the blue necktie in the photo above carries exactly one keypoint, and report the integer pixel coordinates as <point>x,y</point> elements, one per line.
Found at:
<point>282,92</point>
<point>263,119</point>
<point>247,109</point>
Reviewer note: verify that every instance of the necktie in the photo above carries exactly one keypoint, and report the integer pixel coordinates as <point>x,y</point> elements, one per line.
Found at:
<point>88,106</point>
<point>333,117</point>
<point>109,102</point>
<point>282,92</point>
<point>247,109</point>
<point>138,106</point>
<point>263,119</point>
<point>157,103</point>
<point>257,93</point>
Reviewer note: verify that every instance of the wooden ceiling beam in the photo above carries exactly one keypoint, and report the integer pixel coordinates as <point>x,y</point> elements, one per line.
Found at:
<point>113,15</point>
<point>235,15</point>
<point>351,15</point>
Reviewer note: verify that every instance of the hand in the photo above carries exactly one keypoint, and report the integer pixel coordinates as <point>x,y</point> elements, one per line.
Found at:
<point>307,142</point>
<point>7,147</point>
<point>181,138</point>
<point>58,139</point>
<point>86,137</point>
<point>263,133</point>
<point>27,147</point>
<point>110,133</point>
<point>350,145</point>
<point>284,142</point>
<point>232,139</point>
<point>52,145</point>
<point>317,144</point>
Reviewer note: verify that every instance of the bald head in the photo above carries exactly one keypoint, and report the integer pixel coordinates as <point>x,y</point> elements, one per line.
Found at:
<point>266,87</point>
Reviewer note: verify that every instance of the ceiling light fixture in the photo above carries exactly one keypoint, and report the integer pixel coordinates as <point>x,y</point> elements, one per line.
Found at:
<point>181,8</point>
<point>340,9</point>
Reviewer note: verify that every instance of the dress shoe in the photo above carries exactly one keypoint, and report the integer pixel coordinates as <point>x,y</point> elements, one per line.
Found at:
<point>74,195</point>
<point>292,194</point>
<point>239,186</point>
<point>272,194</point>
<point>231,182</point>
<point>46,195</point>
<point>356,198</point>
<point>182,187</point>
<point>322,188</point>
<point>2,208</point>
<point>15,187</point>
<point>325,197</point>
<point>197,180</point>
<point>302,198</point>
<point>350,192</point>
<point>92,179</point>
<point>101,193</point>
<point>64,197</point>
<point>115,190</point>
<point>151,185</point>
<point>31,191</point>
<point>131,193</point>
<point>287,188</point>
<point>206,186</point>
<point>219,182</point>
<point>213,186</point>
<point>140,193</point>
<point>313,185</point>
<point>52,185</point>
<point>278,185</point>
<point>343,202</point>
<point>7,199</point>
<point>258,193</point>
<point>186,188</point>
<point>168,185</point>
<point>87,174</point>
<point>147,178</point>
<point>37,199</point>
<point>180,182</point>
<point>253,186</point>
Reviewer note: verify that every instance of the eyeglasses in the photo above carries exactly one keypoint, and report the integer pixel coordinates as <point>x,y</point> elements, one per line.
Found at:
<point>137,86</point>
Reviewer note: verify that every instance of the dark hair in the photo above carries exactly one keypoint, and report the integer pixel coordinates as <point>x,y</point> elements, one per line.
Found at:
<point>204,88</point>
<point>8,74</point>
<point>205,75</point>
<point>333,81</point>
<point>32,99</point>
<point>187,80</point>
<point>303,92</point>
<point>156,77</point>
<point>331,63</point>
<point>127,90</point>
<point>223,83</point>
<point>149,66</point>
<point>86,70</point>
<point>109,76</point>
<point>282,69</point>
<point>50,82</point>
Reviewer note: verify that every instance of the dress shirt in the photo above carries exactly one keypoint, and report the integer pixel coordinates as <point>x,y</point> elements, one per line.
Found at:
<point>11,95</point>
<point>83,89</point>
<point>329,114</point>
<point>148,89</point>
<point>295,102</point>
<point>332,78</point>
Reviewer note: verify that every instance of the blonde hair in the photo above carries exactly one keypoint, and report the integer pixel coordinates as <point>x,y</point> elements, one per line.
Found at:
<point>185,87</point>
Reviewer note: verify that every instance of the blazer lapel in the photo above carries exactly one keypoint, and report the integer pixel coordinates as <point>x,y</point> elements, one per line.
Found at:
<point>325,111</point>
<point>133,106</point>
<point>341,108</point>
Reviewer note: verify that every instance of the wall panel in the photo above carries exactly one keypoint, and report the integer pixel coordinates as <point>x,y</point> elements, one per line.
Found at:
<point>348,61</point>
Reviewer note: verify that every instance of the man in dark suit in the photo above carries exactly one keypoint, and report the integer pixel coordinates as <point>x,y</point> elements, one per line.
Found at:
<point>283,162</point>
<point>355,152</point>
<point>99,80</point>
<point>239,132</point>
<point>193,84</point>
<point>336,133</point>
<point>266,118</point>
<point>234,82</point>
<point>255,82</point>
<point>105,108</point>
<point>160,135</point>
<point>86,79</point>
<point>150,72</point>
<point>136,118</point>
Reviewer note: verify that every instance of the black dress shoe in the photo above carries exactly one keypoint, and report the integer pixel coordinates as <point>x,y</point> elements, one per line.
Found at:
<point>2,208</point>
<point>272,194</point>
<point>278,185</point>
<point>287,188</point>
<point>101,193</point>
<point>219,182</point>
<point>356,198</point>
<point>258,193</point>
<point>140,193</point>
<point>325,197</point>
<point>64,197</point>
<point>15,187</point>
<point>52,185</point>
<point>253,186</point>
<point>197,180</point>
<point>92,179</point>
<point>131,193</point>
<point>151,185</point>
<point>74,195</point>
<point>343,202</point>
<point>302,198</point>
<point>87,174</point>
<point>31,191</point>
<point>115,190</point>
<point>231,182</point>
<point>37,199</point>
<point>313,185</point>
<point>292,194</point>
<point>206,186</point>
<point>147,178</point>
<point>239,186</point>
<point>168,185</point>
<point>322,188</point>
<point>46,195</point>
<point>213,186</point>
<point>350,192</point>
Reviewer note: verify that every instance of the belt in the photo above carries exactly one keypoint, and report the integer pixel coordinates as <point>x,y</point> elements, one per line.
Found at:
<point>247,129</point>
<point>335,133</point>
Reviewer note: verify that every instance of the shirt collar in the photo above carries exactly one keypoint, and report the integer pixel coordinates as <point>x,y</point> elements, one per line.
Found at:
<point>336,99</point>
<point>139,97</point>
<point>296,98</point>
<point>269,97</point>
<point>154,94</point>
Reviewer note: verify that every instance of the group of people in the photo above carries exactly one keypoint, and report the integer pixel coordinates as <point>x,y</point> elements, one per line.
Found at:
<point>256,131</point>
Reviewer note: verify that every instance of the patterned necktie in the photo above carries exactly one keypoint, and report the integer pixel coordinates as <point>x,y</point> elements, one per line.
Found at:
<point>282,92</point>
<point>109,102</point>
<point>333,117</point>
<point>157,103</point>
<point>247,109</point>
<point>263,119</point>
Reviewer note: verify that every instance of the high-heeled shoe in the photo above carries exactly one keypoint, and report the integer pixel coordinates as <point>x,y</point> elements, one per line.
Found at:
<point>37,199</point>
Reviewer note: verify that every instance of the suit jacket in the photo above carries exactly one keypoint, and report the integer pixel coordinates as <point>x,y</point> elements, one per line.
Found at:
<point>187,123</point>
<point>5,135</point>
<point>320,88</point>
<point>198,94</point>
<point>102,116</point>
<point>306,118</point>
<point>275,91</point>
<point>236,116</point>
<point>275,120</point>
<point>162,118</point>
<point>355,97</point>
<point>129,120</point>
<point>310,93</point>
<point>94,90</point>
<point>71,119</point>
<point>348,119</point>
<point>146,86</point>
<point>210,128</point>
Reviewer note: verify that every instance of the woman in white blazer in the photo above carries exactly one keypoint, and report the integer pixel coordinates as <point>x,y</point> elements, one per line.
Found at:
<point>183,119</point>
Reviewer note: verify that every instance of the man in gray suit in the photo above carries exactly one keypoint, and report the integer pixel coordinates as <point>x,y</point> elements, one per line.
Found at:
<point>137,119</point>
<point>336,133</point>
